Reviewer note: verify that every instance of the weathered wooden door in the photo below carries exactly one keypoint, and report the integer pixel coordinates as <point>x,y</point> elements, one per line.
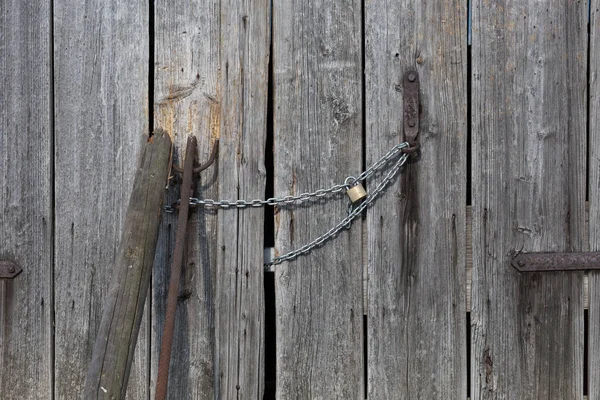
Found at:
<point>417,300</point>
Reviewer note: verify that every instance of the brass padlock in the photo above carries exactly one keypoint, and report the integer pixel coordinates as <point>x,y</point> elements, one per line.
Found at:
<point>356,193</point>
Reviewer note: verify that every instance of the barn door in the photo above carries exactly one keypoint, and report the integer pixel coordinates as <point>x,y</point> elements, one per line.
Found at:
<point>418,300</point>
<point>504,134</point>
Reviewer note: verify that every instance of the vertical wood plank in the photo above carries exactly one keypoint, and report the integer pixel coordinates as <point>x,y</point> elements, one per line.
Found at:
<point>107,376</point>
<point>529,146</point>
<point>187,102</point>
<point>211,81</point>
<point>594,203</point>
<point>317,143</point>
<point>26,199</point>
<point>101,98</point>
<point>245,43</point>
<point>416,231</point>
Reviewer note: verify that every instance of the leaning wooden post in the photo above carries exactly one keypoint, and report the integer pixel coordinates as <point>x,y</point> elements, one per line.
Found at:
<point>109,368</point>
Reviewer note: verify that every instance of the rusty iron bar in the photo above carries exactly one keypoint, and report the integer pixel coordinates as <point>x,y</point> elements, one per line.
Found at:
<point>538,262</point>
<point>411,110</point>
<point>167,338</point>
<point>211,159</point>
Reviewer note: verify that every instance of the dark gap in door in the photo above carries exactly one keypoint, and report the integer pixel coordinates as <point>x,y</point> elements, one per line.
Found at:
<point>469,172</point>
<point>587,102</point>
<point>151,54</point>
<point>468,354</point>
<point>270,338</point>
<point>151,69</point>
<point>52,203</point>
<point>366,355</point>
<point>469,114</point>
<point>269,240</point>
<point>586,348</point>
<point>364,101</point>
<point>364,213</point>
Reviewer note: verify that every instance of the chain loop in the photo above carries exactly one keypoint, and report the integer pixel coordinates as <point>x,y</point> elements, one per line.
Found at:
<point>346,222</point>
<point>353,211</point>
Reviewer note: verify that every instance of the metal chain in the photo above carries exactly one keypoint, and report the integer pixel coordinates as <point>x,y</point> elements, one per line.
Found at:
<point>335,189</point>
<point>273,201</point>
<point>346,222</point>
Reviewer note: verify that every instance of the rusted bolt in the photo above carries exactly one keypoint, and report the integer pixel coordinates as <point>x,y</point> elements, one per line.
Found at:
<point>11,269</point>
<point>411,123</point>
<point>412,76</point>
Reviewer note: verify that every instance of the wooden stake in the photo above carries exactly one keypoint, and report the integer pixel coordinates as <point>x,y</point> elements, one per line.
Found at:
<point>109,368</point>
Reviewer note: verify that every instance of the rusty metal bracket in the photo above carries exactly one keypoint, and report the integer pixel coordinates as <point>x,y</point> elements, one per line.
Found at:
<point>208,163</point>
<point>189,172</point>
<point>411,104</point>
<point>538,262</point>
<point>9,269</point>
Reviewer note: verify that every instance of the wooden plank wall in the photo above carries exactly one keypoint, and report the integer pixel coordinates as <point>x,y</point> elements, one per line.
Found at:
<point>186,102</point>
<point>211,81</point>
<point>317,143</point>
<point>529,146</point>
<point>594,201</point>
<point>77,80</point>
<point>100,107</point>
<point>239,319</point>
<point>416,231</point>
<point>26,199</point>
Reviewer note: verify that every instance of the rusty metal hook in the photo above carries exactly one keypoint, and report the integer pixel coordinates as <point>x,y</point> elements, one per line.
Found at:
<point>202,167</point>
<point>182,221</point>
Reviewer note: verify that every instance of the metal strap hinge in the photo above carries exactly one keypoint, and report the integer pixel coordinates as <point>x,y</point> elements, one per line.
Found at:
<point>9,269</point>
<point>411,105</point>
<point>538,262</point>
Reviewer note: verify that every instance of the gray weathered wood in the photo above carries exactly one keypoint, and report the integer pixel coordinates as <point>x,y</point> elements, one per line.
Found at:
<point>26,200</point>
<point>117,336</point>
<point>186,102</point>
<point>416,231</point>
<point>101,115</point>
<point>239,319</point>
<point>594,203</point>
<point>529,146</point>
<point>318,143</point>
<point>470,257</point>
<point>211,81</point>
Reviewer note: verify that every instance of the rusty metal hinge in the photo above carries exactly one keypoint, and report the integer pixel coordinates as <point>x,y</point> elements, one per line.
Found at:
<point>411,104</point>
<point>9,269</point>
<point>537,262</point>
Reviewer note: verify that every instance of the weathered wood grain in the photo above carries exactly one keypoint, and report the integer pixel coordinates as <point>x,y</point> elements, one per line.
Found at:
<point>239,288</point>
<point>416,231</point>
<point>187,102</point>
<point>101,119</point>
<point>26,200</point>
<point>211,81</point>
<point>529,146</point>
<point>586,230</point>
<point>109,368</point>
<point>594,203</point>
<point>317,143</point>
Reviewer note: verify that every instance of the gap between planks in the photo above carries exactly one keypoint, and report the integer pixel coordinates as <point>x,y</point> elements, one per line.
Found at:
<point>269,254</point>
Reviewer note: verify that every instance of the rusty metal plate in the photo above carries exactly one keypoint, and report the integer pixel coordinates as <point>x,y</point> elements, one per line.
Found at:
<point>9,269</point>
<point>536,262</point>
<point>410,98</point>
